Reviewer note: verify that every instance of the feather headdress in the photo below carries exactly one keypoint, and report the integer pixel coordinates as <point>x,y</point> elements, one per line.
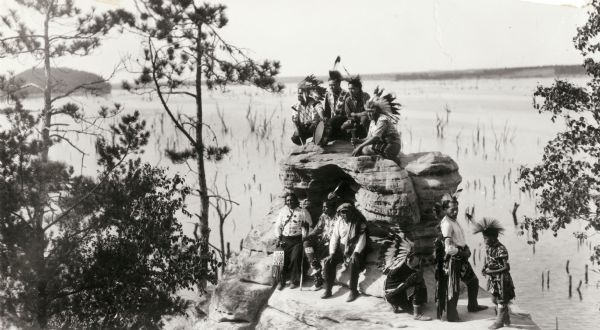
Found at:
<point>355,81</point>
<point>312,86</point>
<point>397,250</point>
<point>334,73</point>
<point>384,103</point>
<point>488,227</point>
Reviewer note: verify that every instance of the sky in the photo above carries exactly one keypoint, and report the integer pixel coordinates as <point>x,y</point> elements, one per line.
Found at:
<point>375,36</point>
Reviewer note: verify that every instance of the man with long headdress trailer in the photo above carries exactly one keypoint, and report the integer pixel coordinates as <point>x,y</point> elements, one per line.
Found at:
<point>383,137</point>
<point>348,244</point>
<point>441,278</point>
<point>309,110</point>
<point>354,107</point>
<point>497,269</point>
<point>316,244</point>
<point>457,256</point>
<point>404,284</point>
<point>291,226</point>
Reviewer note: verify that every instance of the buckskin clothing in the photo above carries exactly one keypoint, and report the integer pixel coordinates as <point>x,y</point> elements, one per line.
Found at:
<point>324,227</point>
<point>289,227</point>
<point>355,105</point>
<point>385,129</point>
<point>458,269</point>
<point>318,241</point>
<point>414,291</point>
<point>334,104</point>
<point>348,238</point>
<point>390,144</point>
<point>298,218</point>
<point>360,125</point>
<point>500,285</point>
<point>305,121</point>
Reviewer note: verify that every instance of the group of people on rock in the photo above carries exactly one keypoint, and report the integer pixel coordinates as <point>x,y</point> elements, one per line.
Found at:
<point>341,236</point>
<point>368,122</point>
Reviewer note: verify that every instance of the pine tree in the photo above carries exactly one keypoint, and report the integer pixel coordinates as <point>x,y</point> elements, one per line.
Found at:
<point>184,51</point>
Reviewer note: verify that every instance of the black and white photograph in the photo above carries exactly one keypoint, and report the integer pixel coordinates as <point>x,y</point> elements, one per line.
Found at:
<point>300,164</point>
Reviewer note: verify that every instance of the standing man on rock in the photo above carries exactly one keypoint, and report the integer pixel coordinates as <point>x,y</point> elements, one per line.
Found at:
<point>457,264</point>
<point>291,226</point>
<point>348,244</point>
<point>316,244</point>
<point>439,254</point>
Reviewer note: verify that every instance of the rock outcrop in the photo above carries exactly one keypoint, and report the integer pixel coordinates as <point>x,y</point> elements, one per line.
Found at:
<point>386,193</point>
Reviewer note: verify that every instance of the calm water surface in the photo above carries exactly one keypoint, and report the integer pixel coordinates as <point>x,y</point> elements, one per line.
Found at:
<point>500,110</point>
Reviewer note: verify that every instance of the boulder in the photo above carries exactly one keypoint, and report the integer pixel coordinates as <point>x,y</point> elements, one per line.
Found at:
<point>261,237</point>
<point>292,309</point>
<point>433,174</point>
<point>250,266</point>
<point>386,191</point>
<point>387,194</point>
<point>234,301</point>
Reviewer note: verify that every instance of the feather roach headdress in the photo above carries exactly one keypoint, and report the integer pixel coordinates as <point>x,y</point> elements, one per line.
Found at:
<point>384,104</point>
<point>448,198</point>
<point>488,227</point>
<point>334,73</point>
<point>355,81</point>
<point>312,86</point>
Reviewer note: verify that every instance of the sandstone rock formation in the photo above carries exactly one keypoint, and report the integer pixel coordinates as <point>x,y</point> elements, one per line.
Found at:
<point>387,194</point>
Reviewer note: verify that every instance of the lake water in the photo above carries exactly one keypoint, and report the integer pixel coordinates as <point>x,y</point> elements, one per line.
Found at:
<point>501,110</point>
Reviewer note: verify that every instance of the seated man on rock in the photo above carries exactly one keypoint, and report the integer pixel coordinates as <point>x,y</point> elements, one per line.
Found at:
<point>357,122</point>
<point>316,244</point>
<point>309,110</point>
<point>404,285</point>
<point>382,138</point>
<point>291,226</point>
<point>348,244</point>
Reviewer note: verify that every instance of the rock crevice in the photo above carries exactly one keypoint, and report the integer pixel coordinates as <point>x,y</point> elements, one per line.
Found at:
<point>387,194</point>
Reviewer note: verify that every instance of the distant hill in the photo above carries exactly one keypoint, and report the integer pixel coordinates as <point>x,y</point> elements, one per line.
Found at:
<point>64,80</point>
<point>548,71</point>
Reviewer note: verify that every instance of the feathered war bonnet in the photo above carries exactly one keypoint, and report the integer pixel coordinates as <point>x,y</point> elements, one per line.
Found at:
<point>488,227</point>
<point>312,86</point>
<point>384,104</point>
<point>397,253</point>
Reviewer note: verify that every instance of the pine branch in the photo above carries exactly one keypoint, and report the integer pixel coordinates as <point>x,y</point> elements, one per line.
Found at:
<point>164,103</point>
<point>72,207</point>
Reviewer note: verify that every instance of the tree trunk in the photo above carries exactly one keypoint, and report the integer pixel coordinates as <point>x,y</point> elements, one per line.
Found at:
<point>203,190</point>
<point>39,243</point>
<point>221,234</point>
